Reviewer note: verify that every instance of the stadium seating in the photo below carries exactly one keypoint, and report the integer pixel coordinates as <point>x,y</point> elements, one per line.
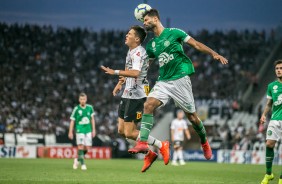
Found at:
<point>43,69</point>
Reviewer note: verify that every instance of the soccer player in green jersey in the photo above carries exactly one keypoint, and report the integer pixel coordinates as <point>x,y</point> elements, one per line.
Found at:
<point>274,129</point>
<point>83,118</point>
<point>174,81</point>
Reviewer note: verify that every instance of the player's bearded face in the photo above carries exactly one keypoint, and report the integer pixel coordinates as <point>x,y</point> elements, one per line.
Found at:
<point>82,100</point>
<point>278,70</point>
<point>149,23</point>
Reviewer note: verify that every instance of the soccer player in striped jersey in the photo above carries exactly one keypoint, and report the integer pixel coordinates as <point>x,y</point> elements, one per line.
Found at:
<point>135,93</point>
<point>177,128</point>
<point>174,81</point>
<point>82,118</point>
<point>274,129</point>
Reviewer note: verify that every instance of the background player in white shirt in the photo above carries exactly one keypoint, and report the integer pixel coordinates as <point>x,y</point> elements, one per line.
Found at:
<point>178,128</point>
<point>134,95</point>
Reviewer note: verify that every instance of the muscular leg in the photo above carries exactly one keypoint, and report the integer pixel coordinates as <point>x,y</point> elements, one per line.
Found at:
<point>121,127</point>
<point>197,125</point>
<point>147,118</point>
<point>130,130</point>
<point>269,155</point>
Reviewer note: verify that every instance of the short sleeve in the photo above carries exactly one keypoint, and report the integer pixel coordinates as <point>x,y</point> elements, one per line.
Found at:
<point>181,35</point>
<point>268,92</point>
<point>92,111</point>
<point>137,61</point>
<point>172,126</point>
<point>185,124</point>
<point>73,114</point>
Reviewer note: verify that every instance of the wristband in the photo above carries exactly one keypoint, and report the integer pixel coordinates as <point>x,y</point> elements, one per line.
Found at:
<point>116,72</point>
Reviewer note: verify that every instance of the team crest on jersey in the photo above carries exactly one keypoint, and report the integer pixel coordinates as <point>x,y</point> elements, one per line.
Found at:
<point>166,43</point>
<point>153,44</point>
<point>80,112</point>
<point>138,54</point>
<point>275,89</point>
<point>138,115</point>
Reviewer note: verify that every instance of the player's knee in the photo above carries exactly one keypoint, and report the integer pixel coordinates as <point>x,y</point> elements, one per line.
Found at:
<point>149,107</point>
<point>192,118</point>
<point>121,132</point>
<point>270,144</point>
<point>129,135</point>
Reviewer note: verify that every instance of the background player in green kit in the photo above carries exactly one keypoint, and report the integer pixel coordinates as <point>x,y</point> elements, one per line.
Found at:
<point>274,130</point>
<point>174,81</point>
<point>83,118</point>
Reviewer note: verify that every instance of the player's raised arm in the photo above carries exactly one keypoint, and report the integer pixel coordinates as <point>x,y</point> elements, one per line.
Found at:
<point>266,110</point>
<point>124,73</point>
<point>205,49</point>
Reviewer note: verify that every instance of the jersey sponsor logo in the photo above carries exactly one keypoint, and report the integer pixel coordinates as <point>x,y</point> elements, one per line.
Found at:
<point>279,100</point>
<point>138,115</point>
<point>84,121</point>
<point>275,89</point>
<point>164,58</point>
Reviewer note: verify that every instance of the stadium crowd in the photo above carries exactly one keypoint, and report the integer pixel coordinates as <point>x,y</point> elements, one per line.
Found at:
<point>43,69</point>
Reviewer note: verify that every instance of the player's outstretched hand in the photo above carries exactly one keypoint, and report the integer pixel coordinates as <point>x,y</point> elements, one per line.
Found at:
<point>262,119</point>
<point>70,135</point>
<point>220,58</point>
<point>108,70</point>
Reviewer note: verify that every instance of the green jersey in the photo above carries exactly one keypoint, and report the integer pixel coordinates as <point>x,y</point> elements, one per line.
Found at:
<point>274,92</point>
<point>168,49</point>
<point>82,118</point>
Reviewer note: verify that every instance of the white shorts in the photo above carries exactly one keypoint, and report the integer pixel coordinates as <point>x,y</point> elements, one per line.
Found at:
<point>84,139</point>
<point>274,130</point>
<point>180,90</point>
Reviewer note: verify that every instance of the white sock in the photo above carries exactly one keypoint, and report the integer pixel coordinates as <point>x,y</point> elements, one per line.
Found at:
<point>154,142</point>
<point>130,141</point>
<point>180,155</point>
<point>138,137</point>
<point>175,155</point>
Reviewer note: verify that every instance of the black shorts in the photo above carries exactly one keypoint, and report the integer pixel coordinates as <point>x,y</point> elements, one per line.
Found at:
<point>177,144</point>
<point>131,109</point>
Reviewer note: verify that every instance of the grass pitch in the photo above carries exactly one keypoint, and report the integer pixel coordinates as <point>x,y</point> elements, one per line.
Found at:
<point>117,171</point>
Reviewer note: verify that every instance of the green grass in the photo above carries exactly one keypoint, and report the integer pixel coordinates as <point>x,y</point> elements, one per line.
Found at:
<point>119,171</point>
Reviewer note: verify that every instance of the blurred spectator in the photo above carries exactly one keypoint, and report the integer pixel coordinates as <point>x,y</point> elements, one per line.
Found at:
<point>42,69</point>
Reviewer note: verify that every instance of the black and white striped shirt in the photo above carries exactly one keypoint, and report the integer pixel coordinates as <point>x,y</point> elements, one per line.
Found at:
<point>136,59</point>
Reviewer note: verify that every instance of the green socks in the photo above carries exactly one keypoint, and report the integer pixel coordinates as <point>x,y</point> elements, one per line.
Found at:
<point>201,131</point>
<point>146,126</point>
<point>81,156</point>
<point>269,155</point>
